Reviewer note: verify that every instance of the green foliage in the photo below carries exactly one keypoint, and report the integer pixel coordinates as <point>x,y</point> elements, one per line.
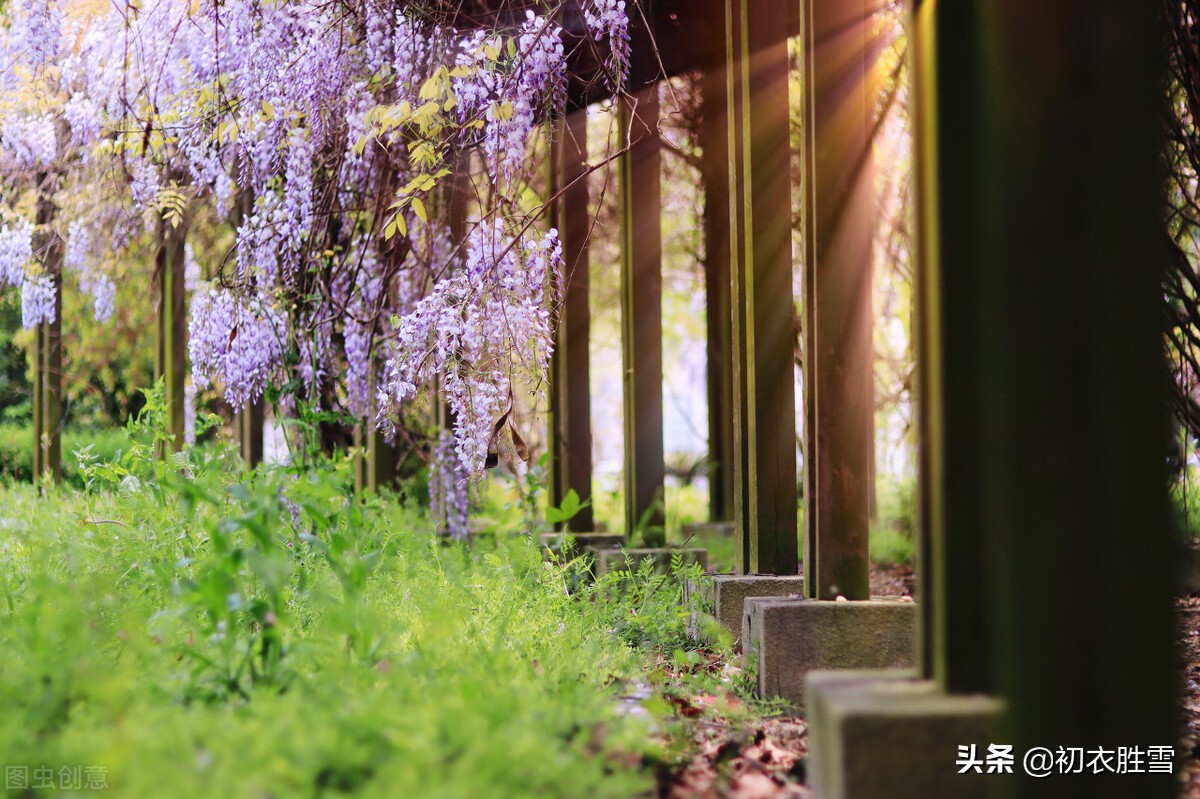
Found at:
<point>893,533</point>
<point>571,505</point>
<point>223,632</point>
<point>106,364</point>
<point>890,546</point>
<point>16,451</point>
<point>16,394</point>
<point>1185,501</point>
<point>645,606</point>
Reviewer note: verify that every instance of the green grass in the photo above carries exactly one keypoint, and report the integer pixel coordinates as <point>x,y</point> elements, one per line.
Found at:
<point>199,631</point>
<point>890,546</point>
<point>16,450</point>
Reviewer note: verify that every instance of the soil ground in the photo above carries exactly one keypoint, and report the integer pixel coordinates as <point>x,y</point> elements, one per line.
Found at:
<point>754,760</point>
<point>767,758</point>
<point>1189,647</point>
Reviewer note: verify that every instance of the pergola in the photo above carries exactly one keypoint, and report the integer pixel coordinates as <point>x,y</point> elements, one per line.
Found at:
<point>1045,560</point>
<point>1044,556</point>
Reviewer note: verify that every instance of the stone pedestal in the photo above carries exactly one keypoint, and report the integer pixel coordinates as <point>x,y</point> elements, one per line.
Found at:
<point>791,637</point>
<point>724,596</point>
<point>887,735</point>
<point>608,560</point>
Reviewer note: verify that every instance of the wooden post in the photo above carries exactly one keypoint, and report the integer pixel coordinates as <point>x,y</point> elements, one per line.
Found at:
<point>1044,403</point>
<point>839,226</point>
<point>170,363</point>
<point>250,432</point>
<point>381,459</point>
<point>38,356</point>
<point>765,506</point>
<point>641,313</point>
<point>956,635</point>
<point>249,420</point>
<point>47,355</point>
<point>570,391</point>
<point>714,165</point>
<point>457,196</point>
<point>1073,394</point>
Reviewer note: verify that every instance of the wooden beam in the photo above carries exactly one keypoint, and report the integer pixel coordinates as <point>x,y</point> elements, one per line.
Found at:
<point>839,223</point>
<point>570,368</point>
<point>641,312</point>
<point>688,36</point>
<point>38,356</point>
<point>170,363</point>
<point>740,424</point>
<point>714,165</point>
<point>765,503</point>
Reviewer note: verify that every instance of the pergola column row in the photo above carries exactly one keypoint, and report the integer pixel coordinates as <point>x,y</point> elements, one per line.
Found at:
<point>746,163</point>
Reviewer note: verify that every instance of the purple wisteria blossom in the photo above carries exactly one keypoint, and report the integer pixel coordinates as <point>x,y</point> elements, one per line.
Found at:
<point>16,250</point>
<point>39,27</point>
<point>267,114</point>
<point>608,22</point>
<point>29,141</point>
<point>474,331</point>
<point>78,257</point>
<point>37,301</point>
<point>449,486</point>
<point>235,341</point>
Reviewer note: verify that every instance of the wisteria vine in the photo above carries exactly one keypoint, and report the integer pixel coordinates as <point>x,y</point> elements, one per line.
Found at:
<point>327,136</point>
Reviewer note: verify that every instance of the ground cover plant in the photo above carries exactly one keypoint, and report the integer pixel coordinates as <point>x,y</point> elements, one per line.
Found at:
<point>224,632</point>
<point>242,645</point>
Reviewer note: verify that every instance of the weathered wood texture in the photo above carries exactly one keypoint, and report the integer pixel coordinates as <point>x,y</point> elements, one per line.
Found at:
<point>762,331</point>
<point>1042,291</point>
<point>957,636</point>
<point>170,363</point>
<point>1074,411</point>
<point>570,368</point>
<point>840,220</point>
<point>641,311</point>
<point>47,347</point>
<point>250,432</point>
<point>714,165</point>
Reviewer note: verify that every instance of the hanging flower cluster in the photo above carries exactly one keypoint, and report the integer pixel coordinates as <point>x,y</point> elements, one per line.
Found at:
<point>608,22</point>
<point>325,134</point>
<point>449,483</point>
<point>16,250</point>
<point>474,331</point>
<point>79,258</point>
<point>37,301</point>
<point>236,341</point>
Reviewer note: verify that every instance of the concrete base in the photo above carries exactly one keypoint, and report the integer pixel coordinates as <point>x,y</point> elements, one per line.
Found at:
<point>707,528</point>
<point>887,735</point>
<point>724,596</point>
<point>555,542</point>
<point>791,637</point>
<point>609,560</point>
